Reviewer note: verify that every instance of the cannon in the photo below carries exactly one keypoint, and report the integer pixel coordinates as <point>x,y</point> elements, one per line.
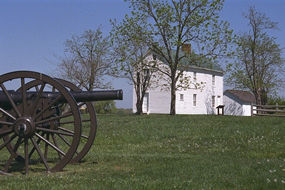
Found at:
<point>45,123</point>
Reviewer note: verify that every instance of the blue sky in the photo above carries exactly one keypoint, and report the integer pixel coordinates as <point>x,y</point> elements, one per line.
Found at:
<point>32,32</point>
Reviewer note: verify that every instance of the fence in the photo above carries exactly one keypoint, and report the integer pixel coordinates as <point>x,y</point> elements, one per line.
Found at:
<point>268,110</point>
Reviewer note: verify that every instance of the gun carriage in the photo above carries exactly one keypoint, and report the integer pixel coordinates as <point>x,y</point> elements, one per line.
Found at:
<point>42,124</point>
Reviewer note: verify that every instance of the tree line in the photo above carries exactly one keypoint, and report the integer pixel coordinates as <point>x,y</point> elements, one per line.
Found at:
<point>163,28</point>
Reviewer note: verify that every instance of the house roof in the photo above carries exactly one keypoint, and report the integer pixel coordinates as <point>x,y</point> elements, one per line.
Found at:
<point>243,96</point>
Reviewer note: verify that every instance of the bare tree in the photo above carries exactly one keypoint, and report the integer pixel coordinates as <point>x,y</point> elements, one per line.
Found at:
<point>87,60</point>
<point>258,65</point>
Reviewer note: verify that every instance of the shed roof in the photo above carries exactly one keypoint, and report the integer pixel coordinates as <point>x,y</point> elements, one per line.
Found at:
<point>243,96</point>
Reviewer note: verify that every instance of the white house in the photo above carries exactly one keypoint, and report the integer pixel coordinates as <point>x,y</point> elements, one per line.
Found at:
<point>238,102</point>
<point>205,92</point>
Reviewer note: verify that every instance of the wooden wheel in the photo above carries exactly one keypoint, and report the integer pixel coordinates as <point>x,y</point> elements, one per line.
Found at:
<point>89,123</point>
<point>29,122</point>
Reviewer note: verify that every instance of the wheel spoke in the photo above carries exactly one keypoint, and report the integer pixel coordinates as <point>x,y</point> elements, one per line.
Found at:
<point>5,132</point>
<point>26,146</point>
<point>66,141</point>
<point>50,144</point>
<point>6,123</point>
<point>69,131</point>
<point>53,118</point>
<point>8,114</point>
<point>48,106</point>
<point>12,156</point>
<point>10,100</point>
<point>40,153</point>
<point>69,122</point>
<point>24,96</point>
<point>36,102</point>
<point>33,149</point>
<point>8,141</point>
<point>55,131</point>
<point>55,143</point>
<point>46,146</point>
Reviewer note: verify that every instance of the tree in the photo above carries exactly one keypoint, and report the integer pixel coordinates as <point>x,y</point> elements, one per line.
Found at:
<point>129,53</point>
<point>258,65</point>
<point>87,61</point>
<point>170,25</point>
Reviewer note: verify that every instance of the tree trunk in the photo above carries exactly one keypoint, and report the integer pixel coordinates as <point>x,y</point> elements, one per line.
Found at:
<point>264,98</point>
<point>92,77</point>
<point>138,93</point>
<point>173,98</point>
<point>139,106</point>
<point>258,100</point>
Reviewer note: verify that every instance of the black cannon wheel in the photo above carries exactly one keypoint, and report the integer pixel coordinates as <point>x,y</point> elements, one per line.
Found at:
<point>89,124</point>
<point>28,125</point>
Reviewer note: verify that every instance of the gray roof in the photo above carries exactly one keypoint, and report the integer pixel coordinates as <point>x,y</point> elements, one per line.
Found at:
<point>243,96</point>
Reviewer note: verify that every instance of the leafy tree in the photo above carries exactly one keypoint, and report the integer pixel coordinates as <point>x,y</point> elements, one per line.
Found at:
<point>87,60</point>
<point>129,53</point>
<point>168,25</point>
<point>258,65</point>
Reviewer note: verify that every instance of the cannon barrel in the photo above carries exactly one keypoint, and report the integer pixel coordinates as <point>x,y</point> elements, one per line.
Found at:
<point>83,96</point>
<point>90,96</point>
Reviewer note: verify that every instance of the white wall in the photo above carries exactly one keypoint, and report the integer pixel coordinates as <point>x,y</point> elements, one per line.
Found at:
<point>159,94</point>
<point>204,94</point>
<point>159,102</point>
<point>246,108</point>
<point>232,107</point>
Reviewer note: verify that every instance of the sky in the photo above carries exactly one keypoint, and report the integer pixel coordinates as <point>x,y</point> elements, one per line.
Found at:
<point>33,32</point>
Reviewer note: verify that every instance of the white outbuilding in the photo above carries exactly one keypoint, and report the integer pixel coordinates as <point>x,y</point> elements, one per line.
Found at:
<point>238,102</point>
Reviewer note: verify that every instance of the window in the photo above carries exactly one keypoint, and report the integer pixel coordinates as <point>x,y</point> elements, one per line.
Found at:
<point>213,80</point>
<point>194,99</point>
<point>219,100</point>
<point>213,101</point>
<point>195,76</point>
<point>181,97</point>
<point>146,73</point>
<point>154,57</point>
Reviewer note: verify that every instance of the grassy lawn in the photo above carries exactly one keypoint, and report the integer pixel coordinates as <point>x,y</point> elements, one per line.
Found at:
<point>166,152</point>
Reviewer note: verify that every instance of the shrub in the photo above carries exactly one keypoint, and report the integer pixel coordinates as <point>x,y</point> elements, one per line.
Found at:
<point>103,107</point>
<point>272,100</point>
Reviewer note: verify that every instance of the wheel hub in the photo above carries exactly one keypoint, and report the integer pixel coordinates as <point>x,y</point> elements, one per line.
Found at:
<point>24,127</point>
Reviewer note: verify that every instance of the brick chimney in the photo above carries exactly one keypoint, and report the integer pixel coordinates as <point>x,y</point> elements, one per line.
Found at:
<point>186,48</point>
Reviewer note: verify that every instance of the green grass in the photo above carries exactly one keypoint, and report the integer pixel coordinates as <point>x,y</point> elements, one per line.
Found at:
<point>166,152</point>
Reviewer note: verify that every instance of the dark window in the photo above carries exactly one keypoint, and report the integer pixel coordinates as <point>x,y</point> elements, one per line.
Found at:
<point>194,99</point>
<point>213,101</point>
<point>181,97</point>
<point>146,73</point>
